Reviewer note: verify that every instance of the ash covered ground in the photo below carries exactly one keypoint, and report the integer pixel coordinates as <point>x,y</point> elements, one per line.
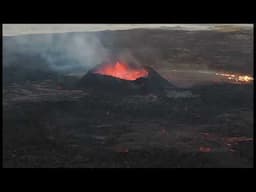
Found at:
<point>48,122</point>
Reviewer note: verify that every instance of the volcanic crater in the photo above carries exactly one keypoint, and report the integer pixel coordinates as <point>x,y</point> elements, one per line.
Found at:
<point>124,78</point>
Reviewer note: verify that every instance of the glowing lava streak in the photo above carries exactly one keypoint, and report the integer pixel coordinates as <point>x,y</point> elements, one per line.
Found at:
<point>236,78</point>
<point>122,71</point>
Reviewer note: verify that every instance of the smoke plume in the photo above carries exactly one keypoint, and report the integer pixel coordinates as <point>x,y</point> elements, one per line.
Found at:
<point>65,52</point>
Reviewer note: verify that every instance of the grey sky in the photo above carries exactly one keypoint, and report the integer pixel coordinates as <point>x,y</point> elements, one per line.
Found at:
<point>21,29</point>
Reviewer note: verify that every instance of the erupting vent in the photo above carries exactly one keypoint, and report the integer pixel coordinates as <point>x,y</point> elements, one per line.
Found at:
<point>122,71</point>
<point>122,78</point>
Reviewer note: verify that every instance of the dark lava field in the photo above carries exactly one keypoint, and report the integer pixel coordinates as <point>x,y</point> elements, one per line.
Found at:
<point>49,121</point>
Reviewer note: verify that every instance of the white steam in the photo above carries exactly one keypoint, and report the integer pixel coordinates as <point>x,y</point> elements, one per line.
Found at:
<point>64,53</point>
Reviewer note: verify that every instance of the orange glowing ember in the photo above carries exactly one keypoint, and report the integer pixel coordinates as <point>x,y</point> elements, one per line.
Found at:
<point>122,71</point>
<point>236,78</point>
<point>205,149</point>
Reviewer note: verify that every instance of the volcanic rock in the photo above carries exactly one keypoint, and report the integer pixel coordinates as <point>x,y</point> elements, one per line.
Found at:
<point>152,83</point>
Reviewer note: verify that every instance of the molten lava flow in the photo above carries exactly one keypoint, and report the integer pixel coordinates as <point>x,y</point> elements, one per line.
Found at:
<point>236,78</point>
<point>122,71</point>
<point>205,149</point>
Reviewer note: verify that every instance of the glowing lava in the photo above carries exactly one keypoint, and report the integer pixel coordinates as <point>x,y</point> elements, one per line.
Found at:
<point>205,149</point>
<point>236,78</point>
<point>122,71</point>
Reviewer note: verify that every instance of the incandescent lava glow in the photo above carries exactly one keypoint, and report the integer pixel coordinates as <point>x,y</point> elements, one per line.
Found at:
<point>122,71</point>
<point>236,78</point>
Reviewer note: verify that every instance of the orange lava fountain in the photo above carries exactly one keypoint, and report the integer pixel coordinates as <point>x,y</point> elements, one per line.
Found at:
<point>122,71</point>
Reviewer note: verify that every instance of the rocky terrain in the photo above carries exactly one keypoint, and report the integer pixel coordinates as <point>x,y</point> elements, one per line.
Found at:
<point>47,127</point>
<point>49,122</point>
